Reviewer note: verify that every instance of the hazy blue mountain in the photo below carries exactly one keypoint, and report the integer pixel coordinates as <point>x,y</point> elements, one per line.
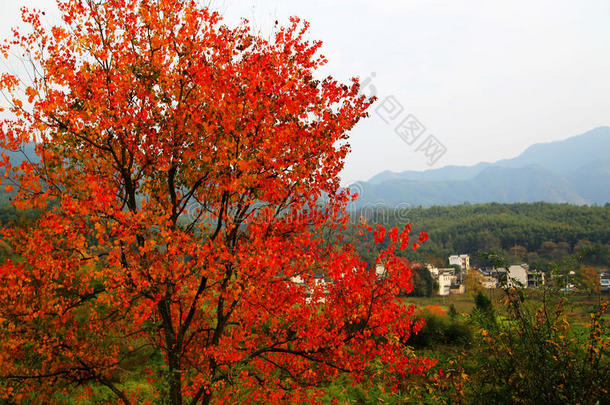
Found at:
<point>441,174</point>
<point>567,155</point>
<point>27,152</point>
<point>575,170</point>
<point>592,181</point>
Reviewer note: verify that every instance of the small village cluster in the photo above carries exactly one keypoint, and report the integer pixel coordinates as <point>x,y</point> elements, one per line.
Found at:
<point>451,280</point>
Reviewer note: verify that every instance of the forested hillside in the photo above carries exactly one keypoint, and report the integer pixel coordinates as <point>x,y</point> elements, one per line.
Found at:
<point>536,233</point>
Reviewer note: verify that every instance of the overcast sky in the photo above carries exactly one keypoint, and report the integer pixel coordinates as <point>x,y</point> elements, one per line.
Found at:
<point>485,78</point>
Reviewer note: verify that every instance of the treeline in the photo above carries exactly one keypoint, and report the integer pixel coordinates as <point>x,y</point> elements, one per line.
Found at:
<point>536,233</point>
<point>10,216</point>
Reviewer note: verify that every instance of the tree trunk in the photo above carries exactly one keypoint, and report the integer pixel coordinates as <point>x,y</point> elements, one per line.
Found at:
<point>173,352</point>
<point>175,381</point>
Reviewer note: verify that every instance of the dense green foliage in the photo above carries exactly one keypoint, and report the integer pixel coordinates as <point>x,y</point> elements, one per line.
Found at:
<point>524,346</point>
<point>441,330</point>
<point>10,215</point>
<point>423,283</point>
<point>484,306</point>
<point>535,354</point>
<point>536,233</point>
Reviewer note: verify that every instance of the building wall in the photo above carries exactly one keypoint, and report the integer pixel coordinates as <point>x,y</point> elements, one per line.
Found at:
<point>444,284</point>
<point>488,282</point>
<point>461,260</point>
<point>460,289</point>
<point>380,270</point>
<point>516,273</point>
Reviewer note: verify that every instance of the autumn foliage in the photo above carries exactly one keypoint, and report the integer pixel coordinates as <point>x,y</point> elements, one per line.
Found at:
<point>180,167</point>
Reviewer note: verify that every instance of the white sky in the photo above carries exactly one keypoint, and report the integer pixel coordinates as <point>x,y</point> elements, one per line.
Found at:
<point>487,78</point>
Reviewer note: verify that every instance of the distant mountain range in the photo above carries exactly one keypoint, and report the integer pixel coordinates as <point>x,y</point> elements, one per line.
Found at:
<point>575,170</point>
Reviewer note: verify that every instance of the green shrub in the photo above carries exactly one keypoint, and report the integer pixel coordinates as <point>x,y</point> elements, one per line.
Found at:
<point>452,312</point>
<point>537,357</point>
<point>482,302</point>
<point>441,330</point>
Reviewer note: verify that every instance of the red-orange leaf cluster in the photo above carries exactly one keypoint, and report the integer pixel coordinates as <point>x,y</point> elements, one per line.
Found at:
<point>181,162</point>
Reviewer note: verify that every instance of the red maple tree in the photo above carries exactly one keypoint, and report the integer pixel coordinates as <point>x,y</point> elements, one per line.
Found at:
<point>180,167</point>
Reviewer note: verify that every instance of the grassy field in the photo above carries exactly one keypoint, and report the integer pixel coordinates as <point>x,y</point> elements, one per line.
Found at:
<point>578,306</point>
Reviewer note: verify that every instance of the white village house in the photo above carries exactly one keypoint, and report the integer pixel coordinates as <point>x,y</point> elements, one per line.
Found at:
<point>520,275</point>
<point>447,280</point>
<point>516,276</point>
<point>461,260</point>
